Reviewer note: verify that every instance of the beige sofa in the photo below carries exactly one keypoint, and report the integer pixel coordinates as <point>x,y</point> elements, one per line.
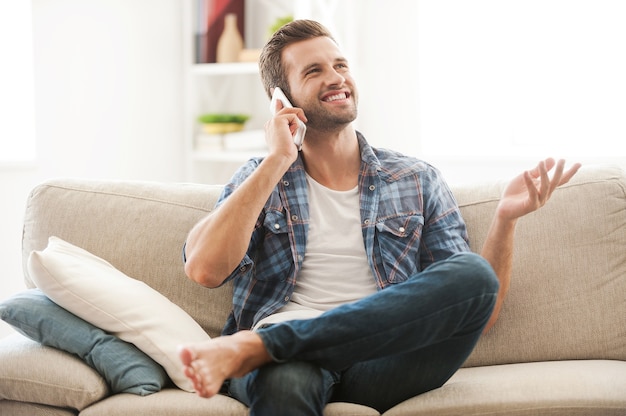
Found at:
<point>559,347</point>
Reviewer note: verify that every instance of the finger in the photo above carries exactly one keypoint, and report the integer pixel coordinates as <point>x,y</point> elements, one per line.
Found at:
<point>544,185</point>
<point>301,115</point>
<point>556,178</point>
<point>530,185</point>
<point>293,124</point>
<point>278,106</point>
<point>547,165</point>
<point>536,171</point>
<point>549,162</point>
<point>570,173</point>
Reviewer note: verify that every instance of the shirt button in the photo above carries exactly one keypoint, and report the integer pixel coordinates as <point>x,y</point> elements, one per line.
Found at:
<point>366,222</point>
<point>277,226</point>
<point>294,218</point>
<point>372,187</point>
<point>243,268</point>
<point>286,183</point>
<point>300,257</point>
<point>401,229</point>
<point>286,298</point>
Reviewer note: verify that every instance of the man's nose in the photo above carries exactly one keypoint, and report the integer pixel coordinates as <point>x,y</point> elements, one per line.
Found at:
<point>335,78</point>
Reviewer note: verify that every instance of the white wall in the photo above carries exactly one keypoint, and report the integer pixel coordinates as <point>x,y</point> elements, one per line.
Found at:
<point>386,70</point>
<point>108,85</point>
<point>504,83</point>
<point>108,97</point>
<point>15,183</point>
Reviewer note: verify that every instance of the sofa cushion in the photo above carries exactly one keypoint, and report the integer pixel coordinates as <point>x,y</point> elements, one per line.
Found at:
<point>94,290</point>
<point>566,299</point>
<point>557,388</point>
<point>170,401</point>
<point>13,408</point>
<point>125,368</point>
<point>31,372</point>
<point>166,403</point>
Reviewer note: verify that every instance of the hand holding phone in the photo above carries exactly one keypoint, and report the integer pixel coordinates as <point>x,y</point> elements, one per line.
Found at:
<point>279,95</point>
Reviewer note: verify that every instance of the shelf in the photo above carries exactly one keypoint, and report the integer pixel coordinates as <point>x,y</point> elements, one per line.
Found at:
<point>241,68</point>
<point>243,142</point>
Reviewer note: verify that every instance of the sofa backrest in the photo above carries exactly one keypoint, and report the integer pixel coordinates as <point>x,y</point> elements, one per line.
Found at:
<point>568,293</point>
<point>138,227</point>
<point>567,298</point>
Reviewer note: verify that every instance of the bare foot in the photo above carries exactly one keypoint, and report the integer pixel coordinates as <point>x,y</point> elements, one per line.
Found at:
<point>208,364</point>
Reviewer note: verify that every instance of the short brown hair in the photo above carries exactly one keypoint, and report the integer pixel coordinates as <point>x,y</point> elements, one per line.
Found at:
<point>270,62</point>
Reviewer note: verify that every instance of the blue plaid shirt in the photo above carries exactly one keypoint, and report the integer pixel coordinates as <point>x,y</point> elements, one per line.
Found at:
<point>409,219</point>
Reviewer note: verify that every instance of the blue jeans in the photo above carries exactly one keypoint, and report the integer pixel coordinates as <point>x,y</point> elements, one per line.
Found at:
<point>388,347</point>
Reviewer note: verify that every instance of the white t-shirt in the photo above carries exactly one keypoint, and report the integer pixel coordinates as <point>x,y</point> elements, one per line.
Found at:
<point>335,269</point>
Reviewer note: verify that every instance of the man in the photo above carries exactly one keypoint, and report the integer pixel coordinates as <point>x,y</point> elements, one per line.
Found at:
<point>353,279</point>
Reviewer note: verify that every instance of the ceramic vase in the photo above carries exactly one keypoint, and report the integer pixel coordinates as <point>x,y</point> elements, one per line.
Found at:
<point>230,42</point>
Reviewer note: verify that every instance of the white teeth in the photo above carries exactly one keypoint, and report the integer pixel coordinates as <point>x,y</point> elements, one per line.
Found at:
<point>341,96</point>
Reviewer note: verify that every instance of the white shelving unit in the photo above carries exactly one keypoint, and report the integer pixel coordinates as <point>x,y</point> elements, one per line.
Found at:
<point>234,88</point>
<point>219,88</point>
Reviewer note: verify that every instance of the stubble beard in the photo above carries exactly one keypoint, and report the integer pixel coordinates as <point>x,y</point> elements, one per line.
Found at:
<point>325,120</point>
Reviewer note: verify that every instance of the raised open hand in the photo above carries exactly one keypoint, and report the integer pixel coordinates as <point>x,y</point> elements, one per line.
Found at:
<point>531,190</point>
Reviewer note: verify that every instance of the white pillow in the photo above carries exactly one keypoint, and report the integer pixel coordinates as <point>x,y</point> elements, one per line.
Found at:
<point>97,292</point>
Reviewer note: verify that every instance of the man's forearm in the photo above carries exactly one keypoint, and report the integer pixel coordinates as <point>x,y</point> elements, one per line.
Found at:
<point>498,251</point>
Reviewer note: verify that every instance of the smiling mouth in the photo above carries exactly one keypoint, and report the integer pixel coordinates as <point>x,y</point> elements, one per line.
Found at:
<point>335,97</point>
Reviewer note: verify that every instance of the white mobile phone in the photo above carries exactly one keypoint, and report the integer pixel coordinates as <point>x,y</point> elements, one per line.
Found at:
<point>279,95</point>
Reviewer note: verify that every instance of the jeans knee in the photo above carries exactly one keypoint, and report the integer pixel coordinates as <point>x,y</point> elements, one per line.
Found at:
<point>297,375</point>
<point>478,272</point>
<point>299,386</point>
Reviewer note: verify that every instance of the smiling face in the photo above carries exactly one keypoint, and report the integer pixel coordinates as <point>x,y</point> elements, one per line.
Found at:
<point>320,83</point>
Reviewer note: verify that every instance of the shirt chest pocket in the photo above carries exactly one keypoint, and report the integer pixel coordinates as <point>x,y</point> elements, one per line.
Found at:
<point>398,242</point>
<point>274,260</point>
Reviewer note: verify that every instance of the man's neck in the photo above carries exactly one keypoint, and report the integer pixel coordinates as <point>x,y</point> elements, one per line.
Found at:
<point>333,159</point>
